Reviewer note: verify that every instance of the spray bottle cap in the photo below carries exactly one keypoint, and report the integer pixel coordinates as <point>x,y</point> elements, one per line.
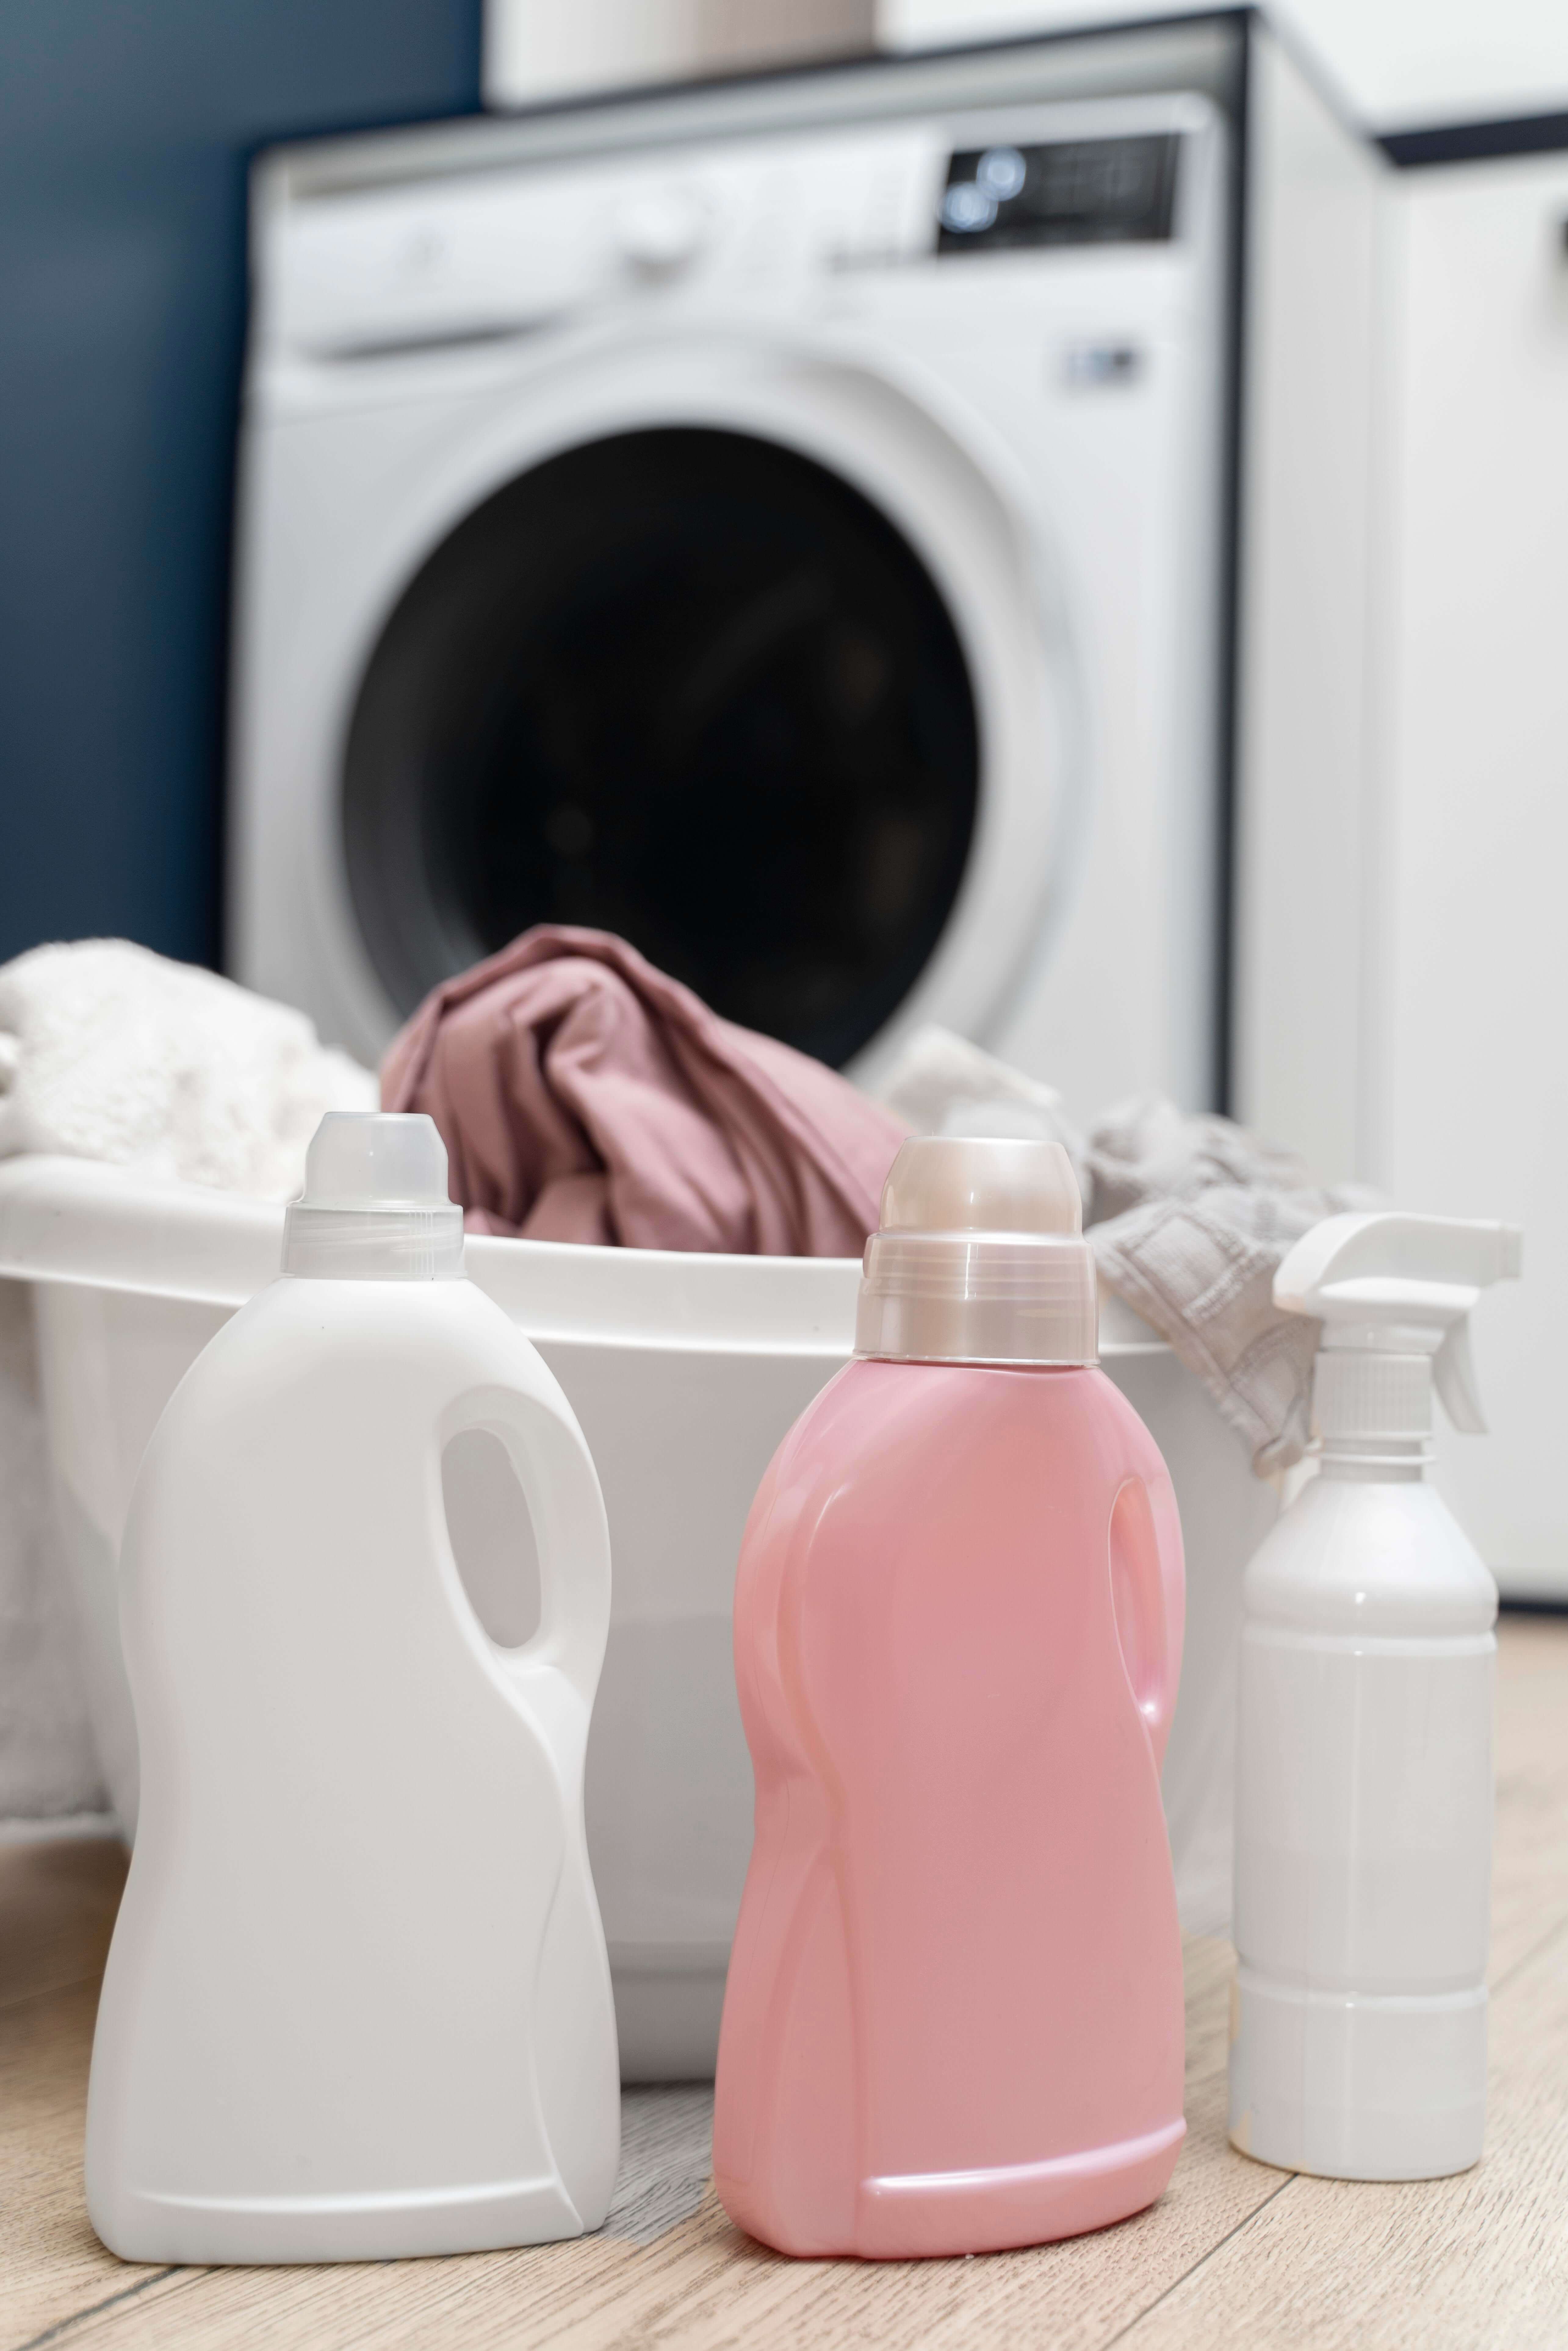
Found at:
<point>1394,1293</point>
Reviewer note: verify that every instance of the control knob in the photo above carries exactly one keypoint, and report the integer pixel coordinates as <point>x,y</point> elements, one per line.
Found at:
<point>662,231</point>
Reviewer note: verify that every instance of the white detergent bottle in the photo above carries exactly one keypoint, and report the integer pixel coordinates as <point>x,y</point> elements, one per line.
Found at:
<point>1363,1803</point>
<point>357,2002</point>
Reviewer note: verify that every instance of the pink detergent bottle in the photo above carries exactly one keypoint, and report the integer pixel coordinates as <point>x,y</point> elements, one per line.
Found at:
<point>953,2016</point>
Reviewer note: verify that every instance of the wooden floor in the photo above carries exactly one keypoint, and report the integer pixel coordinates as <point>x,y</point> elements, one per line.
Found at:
<point>1234,2253</point>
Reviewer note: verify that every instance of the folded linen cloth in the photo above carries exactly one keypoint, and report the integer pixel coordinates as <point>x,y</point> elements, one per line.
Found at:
<point>107,1051</point>
<point>1189,1219</point>
<point>584,1096</point>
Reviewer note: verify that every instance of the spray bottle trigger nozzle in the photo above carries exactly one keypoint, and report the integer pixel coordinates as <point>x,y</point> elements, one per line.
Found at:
<point>1454,1376</point>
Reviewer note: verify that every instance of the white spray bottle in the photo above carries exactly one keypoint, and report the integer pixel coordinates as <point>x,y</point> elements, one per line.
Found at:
<point>358,2004</point>
<point>1363,1756</point>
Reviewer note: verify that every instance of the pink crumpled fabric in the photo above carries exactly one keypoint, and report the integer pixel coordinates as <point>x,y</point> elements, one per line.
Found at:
<point>584,1096</point>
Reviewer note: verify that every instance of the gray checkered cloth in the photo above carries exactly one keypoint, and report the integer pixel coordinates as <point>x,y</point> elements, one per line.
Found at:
<point>1190,1219</point>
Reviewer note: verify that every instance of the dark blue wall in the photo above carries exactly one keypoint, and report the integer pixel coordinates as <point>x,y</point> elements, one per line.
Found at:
<point>125,130</point>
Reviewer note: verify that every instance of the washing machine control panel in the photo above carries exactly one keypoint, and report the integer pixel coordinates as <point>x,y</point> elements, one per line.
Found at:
<point>1066,192</point>
<point>366,273</point>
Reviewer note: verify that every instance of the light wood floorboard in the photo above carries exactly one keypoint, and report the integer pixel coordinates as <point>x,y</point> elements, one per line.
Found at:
<point>1234,2253</point>
<point>1475,2263</point>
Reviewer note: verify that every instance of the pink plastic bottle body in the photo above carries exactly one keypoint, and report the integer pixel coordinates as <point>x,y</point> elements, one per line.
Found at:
<point>953,2017</point>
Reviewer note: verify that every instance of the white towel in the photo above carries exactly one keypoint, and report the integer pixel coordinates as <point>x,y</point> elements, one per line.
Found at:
<point>107,1051</point>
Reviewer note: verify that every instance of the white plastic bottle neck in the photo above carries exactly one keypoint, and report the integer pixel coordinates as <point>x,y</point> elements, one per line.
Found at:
<point>1373,1408</point>
<point>1378,1461</point>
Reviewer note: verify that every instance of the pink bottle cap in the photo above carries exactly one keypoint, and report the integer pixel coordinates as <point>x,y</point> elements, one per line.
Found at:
<point>979,1257</point>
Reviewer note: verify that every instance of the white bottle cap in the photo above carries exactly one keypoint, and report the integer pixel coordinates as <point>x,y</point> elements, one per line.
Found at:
<point>375,1206</point>
<point>979,1257</point>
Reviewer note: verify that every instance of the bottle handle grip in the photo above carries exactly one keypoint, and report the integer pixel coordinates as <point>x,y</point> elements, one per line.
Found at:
<point>549,1454</point>
<point>1148,1596</point>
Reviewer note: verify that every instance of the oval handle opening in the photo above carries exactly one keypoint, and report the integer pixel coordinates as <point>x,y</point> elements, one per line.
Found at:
<point>491,1531</point>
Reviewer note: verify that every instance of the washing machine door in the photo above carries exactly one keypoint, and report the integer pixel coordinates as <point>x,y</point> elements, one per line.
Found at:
<point>705,680</point>
<point>684,685</point>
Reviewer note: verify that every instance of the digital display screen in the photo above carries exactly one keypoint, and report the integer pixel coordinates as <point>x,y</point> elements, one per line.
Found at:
<point>1074,191</point>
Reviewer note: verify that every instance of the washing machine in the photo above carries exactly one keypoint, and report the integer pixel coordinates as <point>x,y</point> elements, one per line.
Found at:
<point>782,523</point>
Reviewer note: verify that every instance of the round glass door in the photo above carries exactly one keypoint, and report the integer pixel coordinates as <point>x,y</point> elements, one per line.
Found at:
<point>684,685</point>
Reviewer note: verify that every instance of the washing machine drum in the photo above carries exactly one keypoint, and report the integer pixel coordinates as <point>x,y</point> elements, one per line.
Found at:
<point>687,686</point>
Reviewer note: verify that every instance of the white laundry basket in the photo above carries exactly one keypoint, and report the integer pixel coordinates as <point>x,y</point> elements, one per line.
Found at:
<point>685,1372</point>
